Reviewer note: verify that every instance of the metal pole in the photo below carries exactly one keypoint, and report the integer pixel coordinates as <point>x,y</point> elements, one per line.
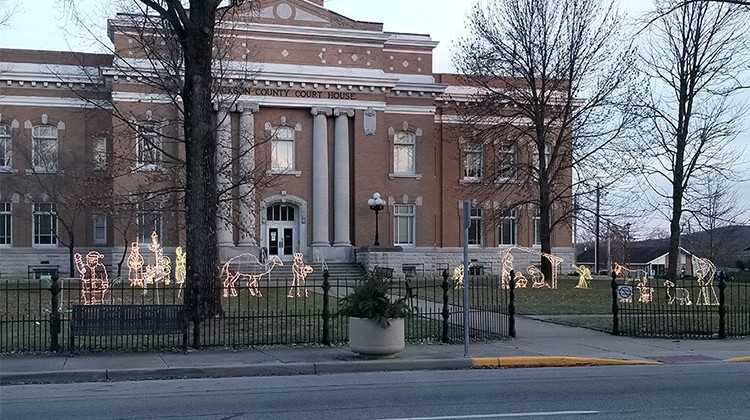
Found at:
<point>467,224</point>
<point>377,229</point>
<point>596,246</point>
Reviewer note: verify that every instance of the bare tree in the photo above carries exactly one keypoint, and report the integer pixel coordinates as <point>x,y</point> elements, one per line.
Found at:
<point>8,8</point>
<point>550,76</point>
<point>695,59</point>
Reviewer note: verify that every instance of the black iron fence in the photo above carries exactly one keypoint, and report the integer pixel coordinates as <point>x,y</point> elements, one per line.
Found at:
<point>684,310</point>
<point>37,315</point>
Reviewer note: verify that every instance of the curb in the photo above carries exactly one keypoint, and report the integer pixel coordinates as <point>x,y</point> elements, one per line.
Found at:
<point>267,369</point>
<point>738,359</point>
<point>556,361</point>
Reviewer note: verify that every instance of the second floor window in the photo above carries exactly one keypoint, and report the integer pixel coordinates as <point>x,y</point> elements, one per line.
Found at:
<point>5,145</point>
<point>473,162</point>
<point>44,148</point>
<point>149,144</point>
<point>404,148</point>
<point>282,149</point>
<point>45,224</point>
<point>508,227</point>
<point>507,161</point>
<point>149,220</point>
<point>5,224</point>
<point>99,153</point>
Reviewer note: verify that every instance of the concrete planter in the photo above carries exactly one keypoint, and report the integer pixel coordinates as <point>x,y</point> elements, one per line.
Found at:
<point>367,337</point>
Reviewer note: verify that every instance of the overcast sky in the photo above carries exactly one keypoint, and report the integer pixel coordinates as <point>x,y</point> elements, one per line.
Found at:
<point>39,25</point>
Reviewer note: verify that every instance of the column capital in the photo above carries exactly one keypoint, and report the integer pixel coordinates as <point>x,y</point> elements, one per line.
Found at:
<point>222,106</point>
<point>348,112</point>
<point>247,107</point>
<point>321,111</point>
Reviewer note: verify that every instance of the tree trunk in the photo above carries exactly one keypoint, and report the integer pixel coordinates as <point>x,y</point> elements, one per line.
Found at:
<point>71,253</point>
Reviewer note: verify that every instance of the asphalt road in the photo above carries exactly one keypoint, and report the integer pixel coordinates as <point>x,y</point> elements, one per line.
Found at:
<point>688,391</point>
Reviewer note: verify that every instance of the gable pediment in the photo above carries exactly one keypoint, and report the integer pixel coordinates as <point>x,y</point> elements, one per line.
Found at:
<point>299,13</point>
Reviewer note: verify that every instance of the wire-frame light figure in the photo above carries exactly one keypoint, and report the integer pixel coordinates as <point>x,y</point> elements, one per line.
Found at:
<point>93,277</point>
<point>300,270</point>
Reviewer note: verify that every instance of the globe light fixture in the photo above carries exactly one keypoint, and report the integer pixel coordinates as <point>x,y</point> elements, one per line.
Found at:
<point>376,204</point>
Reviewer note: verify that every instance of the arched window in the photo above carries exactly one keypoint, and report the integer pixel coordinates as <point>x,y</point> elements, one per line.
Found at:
<point>44,148</point>
<point>280,213</point>
<point>282,149</point>
<point>5,147</point>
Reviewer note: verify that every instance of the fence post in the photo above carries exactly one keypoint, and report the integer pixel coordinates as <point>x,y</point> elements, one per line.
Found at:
<point>326,309</point>
<point>54,318</point>
<point>446,310</point>
<point>615,319</point>
<point>722,308</point>
<point>511,304</point>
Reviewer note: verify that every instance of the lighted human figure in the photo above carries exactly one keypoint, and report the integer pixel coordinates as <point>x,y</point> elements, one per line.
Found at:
<point>705,272</point>
<point>300,271</point>
<point>645,292</point>
<point>180,271</point>
<point>584,275</point>
<point>538,278</point>
<point>506,261</point>
<point>93,276</point>
<point>520,280</point>
<point>135,265</point>
<point>162,267</point>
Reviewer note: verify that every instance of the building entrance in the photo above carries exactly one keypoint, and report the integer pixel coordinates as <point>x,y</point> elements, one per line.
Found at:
<point>282,238</point>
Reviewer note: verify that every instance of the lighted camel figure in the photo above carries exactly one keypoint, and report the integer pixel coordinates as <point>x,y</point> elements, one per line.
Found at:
<point>300,271</point>
<point>681,295</point>
<point>93,276</point>
<point>584,275</point>
<point>251,272</point>
<point>705,272</point>
<point>645,292</point>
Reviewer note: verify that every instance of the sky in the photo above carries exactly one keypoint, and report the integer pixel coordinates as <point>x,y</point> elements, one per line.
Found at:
<point>41,24</point>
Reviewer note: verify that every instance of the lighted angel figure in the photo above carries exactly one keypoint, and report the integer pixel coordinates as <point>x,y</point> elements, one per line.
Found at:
<point>135,265</point>
<point>162,267</point>
<point>180,271</point>
<point>93,277</point>
<point>458,276</point>
<point>705,272</point>
<point>300,271</point>
<point>584,275</point>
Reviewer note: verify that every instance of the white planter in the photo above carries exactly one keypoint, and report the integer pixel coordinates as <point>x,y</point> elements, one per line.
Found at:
<point>367,337</point>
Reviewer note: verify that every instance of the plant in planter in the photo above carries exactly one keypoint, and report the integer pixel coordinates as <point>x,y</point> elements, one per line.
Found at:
<point>376,321</point>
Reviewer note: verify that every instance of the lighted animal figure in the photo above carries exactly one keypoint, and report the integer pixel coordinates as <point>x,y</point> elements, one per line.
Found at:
<point>162,267</point>
<point>94,279</point>
<point>705,271</point>
<point>506,261</point>
<point>135,265</point>
<point>538,277</point>
<point>520,280</point>
<point>584,275</point>
<point>180,270</point>
<point>645,292</point>
<point>629,274</point>
<point>300,271</point>
<point>681,295</point>
<point>251,272</point>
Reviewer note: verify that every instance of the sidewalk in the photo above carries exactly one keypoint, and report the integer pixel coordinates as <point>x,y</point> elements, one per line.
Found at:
<point>538,344</point>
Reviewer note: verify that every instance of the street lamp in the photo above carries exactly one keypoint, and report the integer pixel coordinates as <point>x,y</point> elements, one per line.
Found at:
<point>376,204</point>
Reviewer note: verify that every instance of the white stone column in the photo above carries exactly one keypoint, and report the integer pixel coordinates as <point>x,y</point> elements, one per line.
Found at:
<point>320,209</point>
<point>341,177</point>
<point>247,175</point>
<point>224,231</point>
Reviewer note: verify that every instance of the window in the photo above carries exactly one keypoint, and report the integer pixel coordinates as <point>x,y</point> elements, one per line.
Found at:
<point>100,230</point>
<point>99,154</point>
<point>149,220</point>
<point>547,155</point>
<point>473,162</point>
<point>404,145</point>
<point>149,145</point>
<point>44,148</point>
<point>507,161</point>
<point>537,228</point>
<point>280,213</point>
<point>45,224</point>
<point>4,147</point>
<point>403,224</point>
<point>5,224</point>
<point>508,227</point>
<point>475,228</point>
<point>282,149</point>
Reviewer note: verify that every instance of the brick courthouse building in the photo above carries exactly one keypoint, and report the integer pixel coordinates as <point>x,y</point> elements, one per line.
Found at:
<point>334,111</point>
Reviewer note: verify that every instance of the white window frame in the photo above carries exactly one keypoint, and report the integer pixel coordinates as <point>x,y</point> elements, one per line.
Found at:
<point>405,140</point>
<point>49,164</point>
<point>547,155</point>
<point>288,140</point>
<point>473,162</point>
<point>150,219</point>
<point>99,153</point>
<point>404,216</point>
<point>511,216</point>
<point>536,221</point>
<point>475,217</point>
<point>6,220</point>
<point>100,224</point>
<point>6,145</point>
<point>49,211</point>
<point>153,131</point>
<point>507,161</point>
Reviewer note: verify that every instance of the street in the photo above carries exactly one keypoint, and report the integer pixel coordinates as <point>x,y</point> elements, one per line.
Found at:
<point>680,391</point>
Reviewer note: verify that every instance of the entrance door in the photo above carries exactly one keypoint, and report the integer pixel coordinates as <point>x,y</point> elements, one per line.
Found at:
<point>282,231</point>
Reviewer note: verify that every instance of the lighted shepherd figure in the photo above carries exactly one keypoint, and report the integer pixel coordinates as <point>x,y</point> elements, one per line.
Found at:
<point>584,275</point>
<point>93,275</point>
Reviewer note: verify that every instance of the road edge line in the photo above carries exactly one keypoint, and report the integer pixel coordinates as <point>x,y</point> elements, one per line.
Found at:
<point>553,361</point>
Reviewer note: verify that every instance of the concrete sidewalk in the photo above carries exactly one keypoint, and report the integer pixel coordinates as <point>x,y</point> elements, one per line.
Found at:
<point>538,344</point>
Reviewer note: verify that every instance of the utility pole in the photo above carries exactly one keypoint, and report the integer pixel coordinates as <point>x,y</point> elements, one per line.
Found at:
<point>596,247</point>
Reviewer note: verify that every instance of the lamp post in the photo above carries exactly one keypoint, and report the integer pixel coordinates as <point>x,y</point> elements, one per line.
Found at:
<point>376,204</point>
